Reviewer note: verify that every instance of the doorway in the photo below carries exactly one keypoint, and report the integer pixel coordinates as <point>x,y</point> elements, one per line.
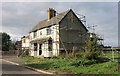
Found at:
<point>40,49</point>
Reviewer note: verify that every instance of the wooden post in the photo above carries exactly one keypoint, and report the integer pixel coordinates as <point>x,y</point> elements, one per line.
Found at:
<point>112,54</point>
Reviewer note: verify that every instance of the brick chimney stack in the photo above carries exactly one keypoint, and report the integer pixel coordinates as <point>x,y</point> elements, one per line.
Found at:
<point>51,13</point>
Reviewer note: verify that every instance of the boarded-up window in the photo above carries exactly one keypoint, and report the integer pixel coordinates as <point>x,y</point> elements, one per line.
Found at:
<point>49,45</point>
<point>35,46</point>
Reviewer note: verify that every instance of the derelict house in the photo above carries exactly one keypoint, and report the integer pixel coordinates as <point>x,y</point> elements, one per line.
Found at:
<point>57,34</point>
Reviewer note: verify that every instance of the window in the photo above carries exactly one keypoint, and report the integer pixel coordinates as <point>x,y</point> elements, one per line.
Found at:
<point>23,40</point>
<point>35,34</point>
<point>49,30</point>
<point>40,32</point>
<point>49,45</point>
<point>35,46</point>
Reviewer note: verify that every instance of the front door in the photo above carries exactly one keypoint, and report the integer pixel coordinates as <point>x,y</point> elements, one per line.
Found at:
<point>40,49</point>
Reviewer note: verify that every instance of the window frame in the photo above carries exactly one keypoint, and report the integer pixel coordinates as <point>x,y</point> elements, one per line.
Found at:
<point>34,34</point>
<point>49,31</point>
<point>50,48</point>
<point>40,32</point>
<point>24,40</point>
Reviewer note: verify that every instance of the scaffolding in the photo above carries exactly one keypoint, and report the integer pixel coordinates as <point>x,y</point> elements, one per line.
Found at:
<point>82,18</point>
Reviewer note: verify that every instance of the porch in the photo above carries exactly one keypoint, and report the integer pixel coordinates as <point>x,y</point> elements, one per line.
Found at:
<point>41,47</point>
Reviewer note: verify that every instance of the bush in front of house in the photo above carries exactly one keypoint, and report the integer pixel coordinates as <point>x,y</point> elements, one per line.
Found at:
<point>83,62</point>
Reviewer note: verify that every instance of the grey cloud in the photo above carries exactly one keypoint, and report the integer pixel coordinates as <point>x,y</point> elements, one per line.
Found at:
<point>19,18</point>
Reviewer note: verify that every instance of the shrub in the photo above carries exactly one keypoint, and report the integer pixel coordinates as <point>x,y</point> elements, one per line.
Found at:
<point>79,54</point>
<point>91,55</point>
<point>92,48</point>
<point>83,62</point>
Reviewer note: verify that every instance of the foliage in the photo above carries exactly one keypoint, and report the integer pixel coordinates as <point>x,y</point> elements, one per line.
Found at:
<point>92,48</point>
<point>72,66</point>
<point>83,62</point>
<point>110,54</point>
<point>12,45</point>
<point>103,68</point>
<point>5,44</point>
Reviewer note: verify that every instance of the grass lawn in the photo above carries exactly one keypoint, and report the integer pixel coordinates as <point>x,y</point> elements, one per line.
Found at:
<point>72,66</point>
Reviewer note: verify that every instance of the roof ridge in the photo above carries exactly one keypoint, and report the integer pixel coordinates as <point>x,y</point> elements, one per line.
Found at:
<point>62,13</point>
<point>54,20</point>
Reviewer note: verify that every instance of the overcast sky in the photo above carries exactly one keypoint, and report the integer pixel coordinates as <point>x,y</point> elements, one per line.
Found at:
<point>18,18</point>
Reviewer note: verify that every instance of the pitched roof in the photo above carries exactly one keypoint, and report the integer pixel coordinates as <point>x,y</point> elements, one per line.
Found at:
<point>52,21</point>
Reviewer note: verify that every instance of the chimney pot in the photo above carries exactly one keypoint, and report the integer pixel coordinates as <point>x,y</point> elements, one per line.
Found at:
<point>51,13</point>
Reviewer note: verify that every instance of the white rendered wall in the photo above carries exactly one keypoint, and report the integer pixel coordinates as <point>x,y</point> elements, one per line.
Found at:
<point>26,43</point>
<point>54,35</point>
